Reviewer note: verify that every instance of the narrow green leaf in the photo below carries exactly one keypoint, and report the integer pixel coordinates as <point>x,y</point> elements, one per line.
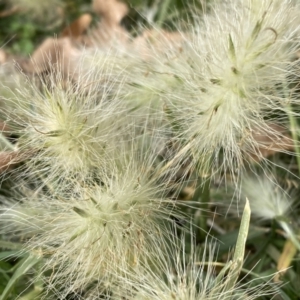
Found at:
<point>163,11</point>
<point>6,254</point>
<point>11,245</point>
<point>27,264</point>
<point>32,295</point>
<point>243,233</point>
<point>238,257</point>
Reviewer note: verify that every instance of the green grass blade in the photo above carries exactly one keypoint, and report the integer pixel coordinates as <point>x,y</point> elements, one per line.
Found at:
<point>27,264</point>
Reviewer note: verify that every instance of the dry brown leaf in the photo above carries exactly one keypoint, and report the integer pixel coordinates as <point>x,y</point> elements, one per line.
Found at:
<point>109,32</point>
<point>159,37</point>
<point>9,12</point>
<point>161,40</point>
<point>51,54</point>
<point>78,27</point>
<point>8,159</point>
<point>106,36</point>
<point>3,56</point>
<point>112,11</point>
<point>274,138</point>
<point>285,259</point>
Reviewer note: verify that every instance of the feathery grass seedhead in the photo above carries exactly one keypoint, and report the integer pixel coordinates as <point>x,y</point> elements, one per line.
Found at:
<point>96,229</point>
<point>182,277</point>
<point>67,131</point>
<point>133,83</point>
<point>267,199</point>
<point>190,277</point>
<point>227,78</point>
<point>269,202</point>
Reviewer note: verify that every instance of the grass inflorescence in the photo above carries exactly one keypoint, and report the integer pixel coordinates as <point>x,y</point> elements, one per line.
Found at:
<point>122,154</point>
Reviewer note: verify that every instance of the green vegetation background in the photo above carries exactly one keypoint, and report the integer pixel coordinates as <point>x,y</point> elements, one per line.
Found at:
<point>20,35</point>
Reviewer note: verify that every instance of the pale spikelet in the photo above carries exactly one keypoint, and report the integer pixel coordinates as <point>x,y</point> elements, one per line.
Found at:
<point>187,277</point>
<point>133,83</point>
<point>67,129</point>
<point>98,228</point>
<point>267,200</point>
<point>229,75</point>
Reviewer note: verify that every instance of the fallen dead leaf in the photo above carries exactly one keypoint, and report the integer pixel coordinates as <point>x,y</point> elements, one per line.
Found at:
<point>9,12</point>
<point>274,138</point>
<point>8,159</point>
<point>78,27</point>
<point>3,56</point>
<point>109,32</point>
<point>106,36</point>
<point>285,259</point>
<point>160,40</point>
<point>52,54</point>
<point>112,11</point>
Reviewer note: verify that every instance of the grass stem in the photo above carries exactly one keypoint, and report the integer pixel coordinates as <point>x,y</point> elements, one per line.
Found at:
<point>202,195</point>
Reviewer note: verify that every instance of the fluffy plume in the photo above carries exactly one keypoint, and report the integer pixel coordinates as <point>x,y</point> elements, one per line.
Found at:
<point>226,78</point>
<point>267,200</point>
<point>138,87</point>
<point>96,228</point>
<point>187,277</point>
<point>68,129</point>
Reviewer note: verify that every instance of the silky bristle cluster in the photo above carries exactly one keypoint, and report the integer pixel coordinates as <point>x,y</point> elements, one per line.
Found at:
<point>68,132</point>
<point>88,233</point>
<point>187,276</point>
<point>267,199</point>
<point>110,152</point>
<point>218,82</point>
